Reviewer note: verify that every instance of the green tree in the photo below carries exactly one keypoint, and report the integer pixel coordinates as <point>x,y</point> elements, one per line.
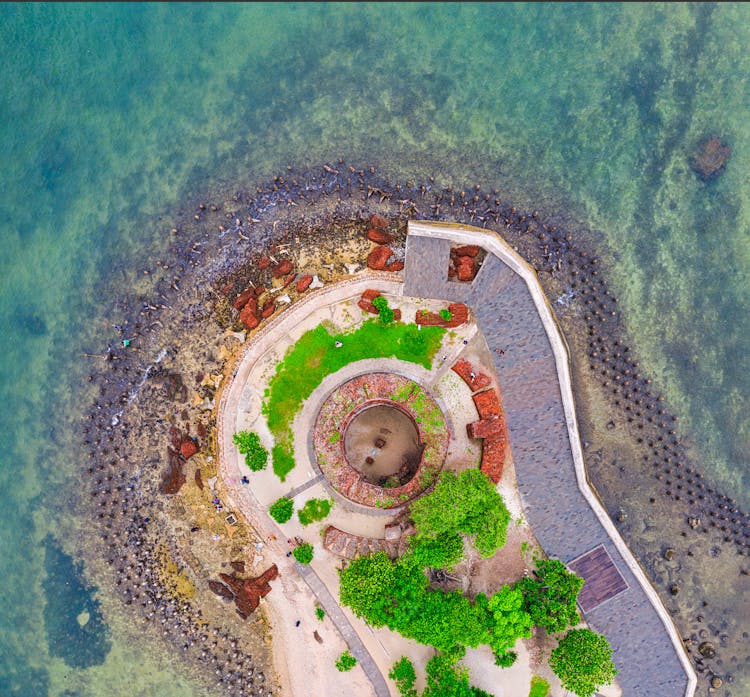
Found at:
<point>441,552</point>
<point>509,620</point>
<point>550,597</point>
<point>313,510</point>
<point>583,662</point>
<point>249,445</point>
<point>282,509</point>
<point>367,586</point>
<point>346,662</point>
<point>446,679</point>
<point>466,504</point>
<point>303,553</point>
<point>402,673</point>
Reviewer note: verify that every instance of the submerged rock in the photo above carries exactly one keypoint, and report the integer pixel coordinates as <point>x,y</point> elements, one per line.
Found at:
<point>709,159</point>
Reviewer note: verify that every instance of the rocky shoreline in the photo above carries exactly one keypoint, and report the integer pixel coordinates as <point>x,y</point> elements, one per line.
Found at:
<point>149,432</point>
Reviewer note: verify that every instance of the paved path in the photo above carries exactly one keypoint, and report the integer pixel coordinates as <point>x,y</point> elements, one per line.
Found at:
<point>565,515</point>
<point>344,627</point>
<point>303,487</point>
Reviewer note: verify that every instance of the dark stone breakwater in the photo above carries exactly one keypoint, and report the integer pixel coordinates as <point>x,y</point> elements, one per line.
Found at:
<point>174,319</point>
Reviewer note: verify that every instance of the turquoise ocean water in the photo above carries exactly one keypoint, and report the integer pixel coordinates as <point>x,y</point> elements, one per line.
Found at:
<point>110,115</point>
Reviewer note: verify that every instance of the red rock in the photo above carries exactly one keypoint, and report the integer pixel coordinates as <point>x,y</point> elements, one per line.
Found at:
<point>174,477</point>
<point>379,236</point>
<point>465,269</point>
<point>464,369</point>
<point>238,566</point>
<point>487,428</point>
<point>249,314</point>
<point>487,404</point>
<point>377,258</point>
<point>397,265</point>
<point>198,479</point>
<point>467,250</point>
<point>220,589</point>
<point>282,268</point>
<point>243,297</point>
<point>378,221</point>
<point>370,294</point>
<point>289,279</point>
<point>227,289</point>
<point>304,283</point>
<point>188,448</point>
<point>268,309</point>
<point>264,262</point>
<point>248,591</point>
<point>259,290</point>
<point>709,160</point>
<point>200,427</point>
<point>175,437</point>
<point>368,307</point>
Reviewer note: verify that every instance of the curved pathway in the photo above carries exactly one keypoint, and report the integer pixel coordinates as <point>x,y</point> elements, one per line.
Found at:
<point>532,365</point>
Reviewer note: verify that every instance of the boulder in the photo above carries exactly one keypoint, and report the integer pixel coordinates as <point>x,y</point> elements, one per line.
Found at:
<point>249,314</point>
<point>243,297</point>
<point>397,265</point>
<point>220,589</point>
<point>289,279</point>
<point>378,257</point>
<point>709,159</point>
<point>370,294</point>
<point>466,250</point>
<point>304,283</point>
<point>268,309</point>
<point>378,221</point>
<point>379,236</point>
<point>248,591</point>
<point>174,477</point>
<point>264,262</point>
<point>188,448</point>
<point>465,269</point>
<point>283,268</point>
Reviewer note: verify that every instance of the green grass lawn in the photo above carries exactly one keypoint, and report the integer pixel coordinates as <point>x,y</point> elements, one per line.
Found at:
<point>314,356</point>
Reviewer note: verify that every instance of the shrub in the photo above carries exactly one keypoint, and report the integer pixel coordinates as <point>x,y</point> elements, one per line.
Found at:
<point>402,673</point>
<point>550,598</point>
<point>506,659</point>
<point>249,445</point>
<point>282,510</point>
<point>320,613</point>
<point>313,510</point>
<point>303,553</point>
<point>283,460</point>
<point>583,662</point>
<point>346,662</point>
<point>539,687</point>
<point>445,314</point>
<point>384,312</point>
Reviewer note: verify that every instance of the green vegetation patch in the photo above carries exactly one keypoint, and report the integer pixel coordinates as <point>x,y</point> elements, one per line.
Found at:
<point>550,597</point>
<point>468,504</point>
<point>303,553</point>
<point>315,355</point>
<point>320,613</point>
<point>249,445</point>
<point>539,687</point>
<point>314,510</point>
<point>345,662</point>
<point>583,662</point>
<point>282,509</point>
<point>444,678</point>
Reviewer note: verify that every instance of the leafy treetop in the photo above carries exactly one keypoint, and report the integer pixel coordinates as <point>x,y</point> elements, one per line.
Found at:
<point>467,504</point>
<point>583,662</point>
<point>303,553</point>
<point>550,598</point>
<point>346,662</point>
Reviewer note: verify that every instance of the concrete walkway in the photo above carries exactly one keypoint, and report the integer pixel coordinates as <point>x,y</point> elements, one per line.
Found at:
<point>344,627</point>
<point>564,513</point>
